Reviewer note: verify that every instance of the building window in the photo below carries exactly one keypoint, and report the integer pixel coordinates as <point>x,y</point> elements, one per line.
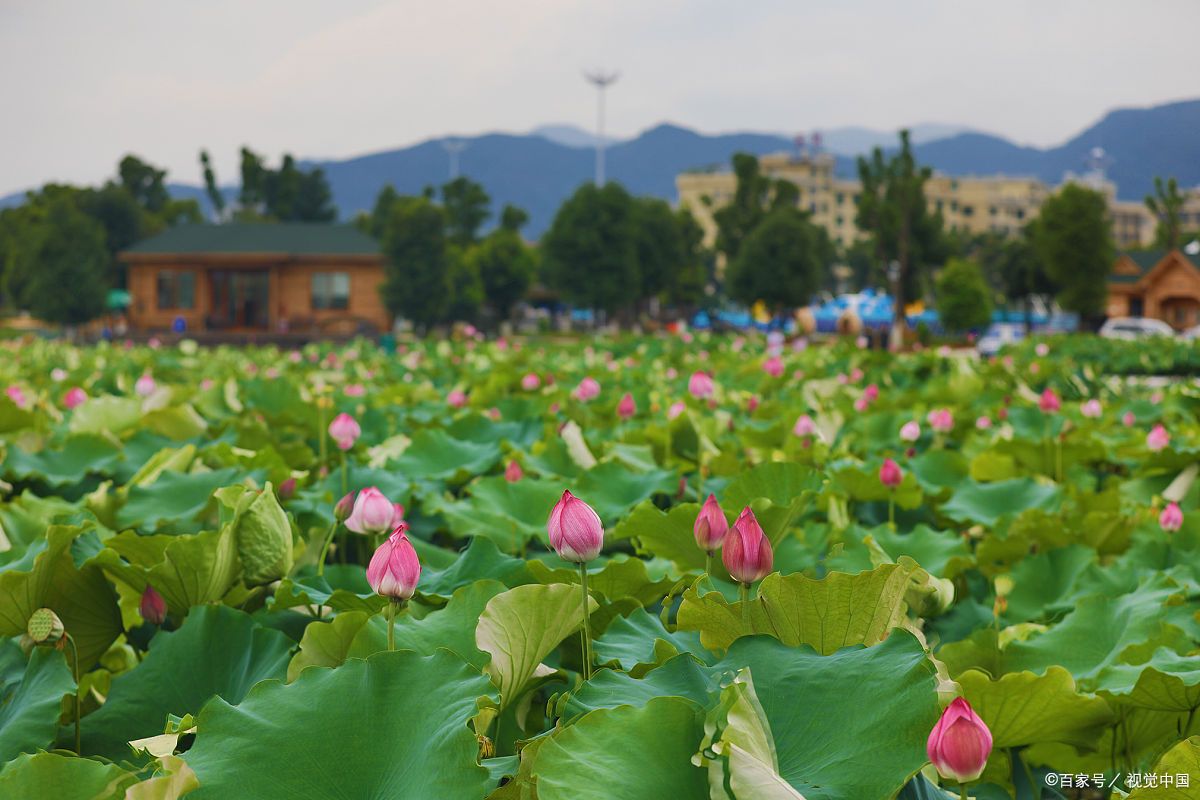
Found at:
<point>968,211</point>
<point>330,290</point>
<point>176,289</point>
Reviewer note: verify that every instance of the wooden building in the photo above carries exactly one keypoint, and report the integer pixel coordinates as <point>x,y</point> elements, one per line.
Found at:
<point>1160,284</point>
<point>266,277</point>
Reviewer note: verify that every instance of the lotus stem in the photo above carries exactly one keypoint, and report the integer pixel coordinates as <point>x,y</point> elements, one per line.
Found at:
<point>345,475</point>
<point>75,672</point>
<point>708,556</point>
<point>892,510</point>
<point>391,618</point>
<point>962,792</point>
<point>744,594</point>
<point>325,548</point>
<point>587,634</point>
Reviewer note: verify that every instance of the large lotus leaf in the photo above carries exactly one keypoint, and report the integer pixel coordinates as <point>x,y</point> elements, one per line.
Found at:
<point>518,432</point>
<point>987,502</point>
<point>936,551</point>
<point>327,644</point>
<point>521,626</point>
<point>81,596</point>
<point>1022,708</point>
<point>1182,759</point>
<point>612,490</point>
<point>24,520</point>
<point>665,534</point>
<point>438,455</point>
<point>1167,682</point>
<point>80,456</point>
<point>1042,581</point>
<point>50,775</point>
<point>936,470</point>
<point>394,725</point>
<point>188,570</point>
<point>173,779</point>
<point>175,422</point>
<point>653,761</point>
<point>781,482</point>
<point>861,483</point>
<point>751,765</point>
<point>551,459</point>
<point>481,559</point>
<point>510,513</point>
<point>641,639</point>
<point>218,651</point>
<point>834,612</point>
<point>13,417</point>
<point>262,532</point>
<point>31,694</point>
<point>107,414</point>
<point>343,587</point>
<point>174,500</point>
<point>680,676</point>
<point>620,577</point>
<point>826,713</point>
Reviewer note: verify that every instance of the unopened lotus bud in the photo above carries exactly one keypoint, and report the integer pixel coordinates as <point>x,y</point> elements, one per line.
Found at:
<point>344,507</point>
<point>152,606</point>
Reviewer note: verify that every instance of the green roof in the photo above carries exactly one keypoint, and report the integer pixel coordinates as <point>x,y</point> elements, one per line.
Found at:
<point>1145,261</point>
<point>292,238</point>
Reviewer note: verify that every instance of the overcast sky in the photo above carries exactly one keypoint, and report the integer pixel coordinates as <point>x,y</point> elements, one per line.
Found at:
<point>85,81</point>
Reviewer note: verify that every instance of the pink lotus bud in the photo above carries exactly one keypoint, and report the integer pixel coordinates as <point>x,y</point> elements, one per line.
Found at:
<point>295,357</point>
<point>344,507</point>
<point>871,392</point>
<point>804,426</point>
<point>17,396</point>
<point>345,431</point>
<point>1042,349</point>
<point>152,607</point>
<point>456,398</point>
<point>941,420</point>
<point>513,472</point>
<point>1128,419</point>
<point>861,342</point>
<point>576,532</point>
<point>74,398</point>
<point>752,404</point>
<point>494,414</point>
<point>58,374</point>
<point>746,552</point>
<point>843,378</point>
<point>397,515</point>
<point>1156,397</point>
<point>1049,402</point>
<point>711,526</point>
<point>1091,409</point>
<point>960,743</point>
<point>676,409</point>
<point>1171,518</point>
<point>773,366</point>
<point>672,373</point>
<point>890,474</point>
<point>395,570</point>
<point>352,390</point>
<point>206,384</point>
<point>910,431</point>
<point>145,385</point>
<point>861,404</point>
<point>983,423</point>
<point>372,513</point>
<point>530,382</point>
<point>286,489</point>
<point>626,408</point>
<point>700,385</point>
<point>1158,438</point>
<point>588,389</point>
<point>1035,368</point>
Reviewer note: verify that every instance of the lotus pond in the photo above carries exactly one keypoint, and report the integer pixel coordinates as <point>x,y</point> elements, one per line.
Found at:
<point>1021,533</point>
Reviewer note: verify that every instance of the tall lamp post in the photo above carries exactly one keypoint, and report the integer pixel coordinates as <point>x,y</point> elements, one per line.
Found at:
<point>601,80</point>
<point>453,147</point>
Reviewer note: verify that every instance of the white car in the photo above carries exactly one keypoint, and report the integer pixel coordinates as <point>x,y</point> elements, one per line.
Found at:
<point>1131,328</point>
<point>998,335</point>
<point>1191,334</point>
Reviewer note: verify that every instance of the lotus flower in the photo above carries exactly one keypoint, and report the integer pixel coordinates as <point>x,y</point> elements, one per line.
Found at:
<point>17,396</point>
<point>710,526</point>
<point>804,426</point>
<point>700,385</point>
<point>1042,349</point>
<point>576,532</point>
<point>1171,518</point>
<point>1091,409</point>
<point>513,472</point>
<point>456,399</point>
<point>960,743</point>
<point>286,489</point>
<point>872,390</point>
<point>145,385</point>
<point>395,570</point>
<point>983,423</point>
<point>152,607</point>
<point>530,382</point>
<point>74,398</point>
<point>345,431</point>
<point>373,513</point>
<point>941,420</point>
<point>588,389</point>
<point>752,404</point>
<point>773,366</point>
<point>1128,419</point>
<point>1157,439</point>
<point>626,408</point>
<point>344,507</point>
<point>1050,402</point>
<point>351,390</point>
<point>910,431</point>
<point>397,515</point>
<point>890,474</point>
<point>676,409</point>
<point>746,552</point>
<point>58,374</point>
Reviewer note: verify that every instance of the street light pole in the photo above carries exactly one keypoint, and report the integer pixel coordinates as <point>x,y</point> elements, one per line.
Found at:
<point>453,147</point>
<point>601,80</point>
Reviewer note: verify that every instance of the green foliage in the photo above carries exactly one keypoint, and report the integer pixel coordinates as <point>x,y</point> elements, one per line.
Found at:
<point>590,251</point>
<point>754,197</point>
<point>417,284</point>
<point>286,194</point>
<point>780,262</point>
<point>466,205</point>
<point>963,299</point>
<point>506,268</point>
<point>71,253</point>
<point>1073,239</point>
<point>1166,204</point>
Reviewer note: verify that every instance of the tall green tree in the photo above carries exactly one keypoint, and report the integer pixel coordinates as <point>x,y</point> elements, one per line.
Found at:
<point>1166,204</point>
<point>68,286</point>
<point>892,210</point>
<point>590,251</point>
<point>964,299</point>
<point>417,282</point>
<point>780,262</point>
<point>467,208</point>
<point>754,197</point>
<point>144,182</point>
<point>1072,236</point>
<point>215,196</point>
<point>688,281</point>
<point>660,244</point>
<point>506,267</point>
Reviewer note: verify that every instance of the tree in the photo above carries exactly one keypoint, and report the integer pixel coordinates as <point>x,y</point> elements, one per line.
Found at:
<point>68,286</point>
<point>660,245</point>
<point>1073,239</point>
<point>754,196</point>
<point>467,208</point>
<point>418,280</point>
<point>590,250</point>
<point>687,283</point>
<point>144,182</point>
<point>215,196</point>
<point>513,218</point>
<point>1165,204</point>
<point>288,194</point>
<point>964,300</point>
<point>778,263</point>
<point>506,267</point>
<point>892,208</point>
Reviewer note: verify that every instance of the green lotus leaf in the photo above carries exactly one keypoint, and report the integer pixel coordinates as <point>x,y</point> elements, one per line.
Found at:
<point>986,503</point>
<point>217,652</point>
<point>50,775</point>
<point>482,559</point>
<point>1167,681</point>
<point>108,414</point>
<point>1182,759</point>
<point>612,490</point>
<point>31,695</point>
<point>343,587</point>
<point>618,578</point>
<point>665,534</point>
<point>1022,708</point>
<point>438,455</point>
<point>81,455</point>
<point>680,676</point>
<point>175,422</point>
<point>174,501</point>
<point>509,513</point>
<point>640,639</point>
<point>393,725</point>
<point>187,570</point>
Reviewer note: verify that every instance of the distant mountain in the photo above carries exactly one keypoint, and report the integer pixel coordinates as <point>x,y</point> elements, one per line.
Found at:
<point>537,171</point>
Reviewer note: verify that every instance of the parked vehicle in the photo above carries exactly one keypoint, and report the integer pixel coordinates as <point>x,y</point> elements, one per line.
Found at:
<point>998,335</point>
<point>1130,328</point>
